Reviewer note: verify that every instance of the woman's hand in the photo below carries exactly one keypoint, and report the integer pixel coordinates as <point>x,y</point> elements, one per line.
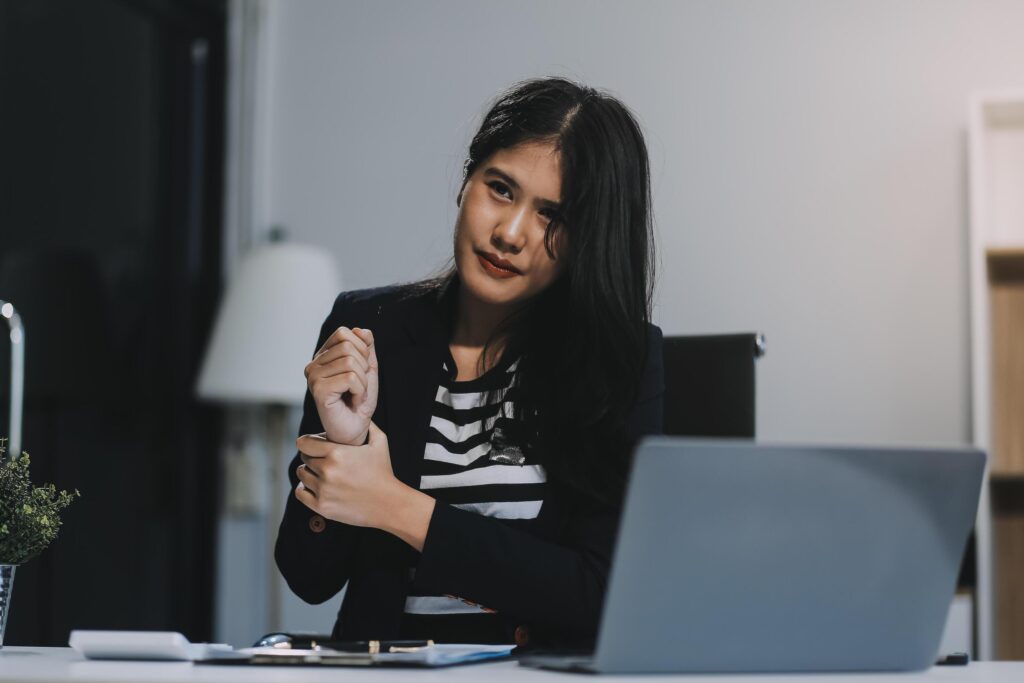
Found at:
<point>343,378</point>
<point>356,485</point>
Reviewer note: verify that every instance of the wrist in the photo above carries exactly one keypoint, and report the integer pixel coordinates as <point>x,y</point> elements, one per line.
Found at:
<point>407,515</point>
<point>359,440</point>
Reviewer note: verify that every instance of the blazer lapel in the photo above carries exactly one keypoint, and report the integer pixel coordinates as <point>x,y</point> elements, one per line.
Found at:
<point>410,381</point>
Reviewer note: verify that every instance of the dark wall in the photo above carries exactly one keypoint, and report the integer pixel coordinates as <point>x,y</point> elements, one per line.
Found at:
<point>111,120</point>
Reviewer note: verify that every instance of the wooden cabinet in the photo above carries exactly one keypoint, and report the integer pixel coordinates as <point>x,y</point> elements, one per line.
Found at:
<point>996,141</point>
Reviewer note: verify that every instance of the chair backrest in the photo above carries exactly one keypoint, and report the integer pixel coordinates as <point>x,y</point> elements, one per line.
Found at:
<point>709,384</point>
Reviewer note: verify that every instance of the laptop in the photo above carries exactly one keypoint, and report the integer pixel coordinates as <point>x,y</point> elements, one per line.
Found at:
<point>746,557</point>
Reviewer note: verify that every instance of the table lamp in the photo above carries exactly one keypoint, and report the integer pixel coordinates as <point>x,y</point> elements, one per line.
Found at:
<point>267,325</point>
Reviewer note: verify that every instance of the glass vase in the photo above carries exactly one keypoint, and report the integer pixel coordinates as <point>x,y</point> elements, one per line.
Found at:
<point>6,587</point>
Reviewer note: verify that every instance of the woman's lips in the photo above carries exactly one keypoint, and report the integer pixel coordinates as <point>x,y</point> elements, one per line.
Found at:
<point>491,265</point>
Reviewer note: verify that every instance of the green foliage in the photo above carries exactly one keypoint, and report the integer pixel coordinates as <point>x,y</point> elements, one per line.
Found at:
<point>29,516</point>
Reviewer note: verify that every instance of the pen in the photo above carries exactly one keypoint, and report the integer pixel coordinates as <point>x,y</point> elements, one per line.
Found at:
<point>372,647</point>
<point>313,642</point>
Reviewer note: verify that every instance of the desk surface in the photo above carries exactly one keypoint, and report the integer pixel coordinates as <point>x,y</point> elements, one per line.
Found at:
<point>60,664</point>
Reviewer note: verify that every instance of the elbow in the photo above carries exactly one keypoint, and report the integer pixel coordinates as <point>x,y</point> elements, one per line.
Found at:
<point>575,623</point>
<point>305,576</point>
<point>311,593</point>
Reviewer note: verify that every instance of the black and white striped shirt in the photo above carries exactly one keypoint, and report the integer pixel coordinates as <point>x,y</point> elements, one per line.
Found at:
<point>473,461</point>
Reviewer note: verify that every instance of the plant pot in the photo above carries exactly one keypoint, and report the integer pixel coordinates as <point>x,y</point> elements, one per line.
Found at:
<point>6,588</point>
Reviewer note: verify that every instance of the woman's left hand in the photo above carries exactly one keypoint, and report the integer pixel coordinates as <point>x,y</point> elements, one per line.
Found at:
<point>349,484</point>
<point>356,485</point>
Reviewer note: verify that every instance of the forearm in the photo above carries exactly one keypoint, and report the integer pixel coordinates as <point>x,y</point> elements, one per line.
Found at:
<point>560,584</point>
<point>406,514</point>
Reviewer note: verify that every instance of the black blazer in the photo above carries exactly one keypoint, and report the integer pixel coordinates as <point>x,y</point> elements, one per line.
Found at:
<point>550,579</point>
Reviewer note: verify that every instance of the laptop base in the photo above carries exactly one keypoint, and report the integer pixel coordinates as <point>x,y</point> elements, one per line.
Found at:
<point>582,664</point>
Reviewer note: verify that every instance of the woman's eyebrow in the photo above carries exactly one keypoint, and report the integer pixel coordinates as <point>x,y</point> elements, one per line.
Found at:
<point>511,182</point>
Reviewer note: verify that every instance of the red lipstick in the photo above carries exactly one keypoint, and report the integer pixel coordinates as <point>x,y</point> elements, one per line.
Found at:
<point>497,267</point>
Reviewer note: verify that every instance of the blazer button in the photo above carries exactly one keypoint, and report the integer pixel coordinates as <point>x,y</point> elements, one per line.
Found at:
<point>317,524</point>
<point>522,636</point>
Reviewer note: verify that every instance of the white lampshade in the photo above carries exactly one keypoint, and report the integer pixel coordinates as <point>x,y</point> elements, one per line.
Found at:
<point>267,325</point>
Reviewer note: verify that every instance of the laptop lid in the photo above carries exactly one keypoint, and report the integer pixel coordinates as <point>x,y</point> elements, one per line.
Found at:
<point>736,556</point>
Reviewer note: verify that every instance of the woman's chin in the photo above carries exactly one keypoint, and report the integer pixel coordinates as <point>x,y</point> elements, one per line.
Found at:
<point>493,292</point>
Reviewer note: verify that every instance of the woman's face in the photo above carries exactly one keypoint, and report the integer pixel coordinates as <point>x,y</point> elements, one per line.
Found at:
<point>505,208</point>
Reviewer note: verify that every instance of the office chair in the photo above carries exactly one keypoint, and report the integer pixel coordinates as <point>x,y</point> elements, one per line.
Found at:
<point>709,384</point>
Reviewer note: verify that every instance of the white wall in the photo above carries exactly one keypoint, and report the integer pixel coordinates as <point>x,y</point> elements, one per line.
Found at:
<point>808,161</point>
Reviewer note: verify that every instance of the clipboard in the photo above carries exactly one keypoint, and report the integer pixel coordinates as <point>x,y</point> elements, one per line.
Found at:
<point>434,655</point>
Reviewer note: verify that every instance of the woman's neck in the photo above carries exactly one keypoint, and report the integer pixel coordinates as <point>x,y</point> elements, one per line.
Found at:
<point>474,326</point>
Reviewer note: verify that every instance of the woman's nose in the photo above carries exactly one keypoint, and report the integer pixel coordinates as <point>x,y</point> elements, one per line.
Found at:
<point>510,233</point>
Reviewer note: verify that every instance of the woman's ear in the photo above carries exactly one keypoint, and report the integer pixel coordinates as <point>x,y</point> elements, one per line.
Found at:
<point>458,198</point>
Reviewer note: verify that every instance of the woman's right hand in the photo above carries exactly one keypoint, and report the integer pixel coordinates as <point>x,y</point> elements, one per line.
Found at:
<point>343,379</point>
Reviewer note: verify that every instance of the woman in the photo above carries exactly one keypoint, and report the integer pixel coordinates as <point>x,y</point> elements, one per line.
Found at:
<point>466,439</point>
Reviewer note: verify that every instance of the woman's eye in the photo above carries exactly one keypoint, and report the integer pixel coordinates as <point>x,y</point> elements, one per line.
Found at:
<point>500,188</point>
<point>550,214</point>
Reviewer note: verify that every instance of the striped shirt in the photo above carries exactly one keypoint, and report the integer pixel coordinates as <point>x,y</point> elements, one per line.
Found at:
<point>473,461</point>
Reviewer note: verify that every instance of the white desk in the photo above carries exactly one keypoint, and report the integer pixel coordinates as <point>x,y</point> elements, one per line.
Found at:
<point>61,664</point>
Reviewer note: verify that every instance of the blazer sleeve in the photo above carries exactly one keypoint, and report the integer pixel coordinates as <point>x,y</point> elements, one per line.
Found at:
<point>314,553</point>
<point>558,585</point>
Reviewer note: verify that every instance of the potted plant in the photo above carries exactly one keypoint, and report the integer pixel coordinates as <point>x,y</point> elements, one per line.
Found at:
<point>29,521</point>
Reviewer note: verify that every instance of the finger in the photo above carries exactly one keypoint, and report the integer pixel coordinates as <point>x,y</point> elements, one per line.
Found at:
<point>371,352</point>
<point>345,349</point>
<point>314,445</point>
<point>330,387</point>
<point>337,356</point>
<point>309,464</point>
<point>306,497</point>
<point>318,447</point>
<point>360,366</point>
<point>307,479</point>
<point>372,379</point>
<point>333,388</point>
<point>372,373</point>
<point>343,334</point>
<point>376,435</point>
<point>353,382</point>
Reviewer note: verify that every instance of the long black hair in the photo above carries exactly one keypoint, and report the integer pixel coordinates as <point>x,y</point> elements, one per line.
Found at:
<point>582,342</point>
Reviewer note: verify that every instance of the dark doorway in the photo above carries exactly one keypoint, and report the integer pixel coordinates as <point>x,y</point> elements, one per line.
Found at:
<point>111,154</point>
